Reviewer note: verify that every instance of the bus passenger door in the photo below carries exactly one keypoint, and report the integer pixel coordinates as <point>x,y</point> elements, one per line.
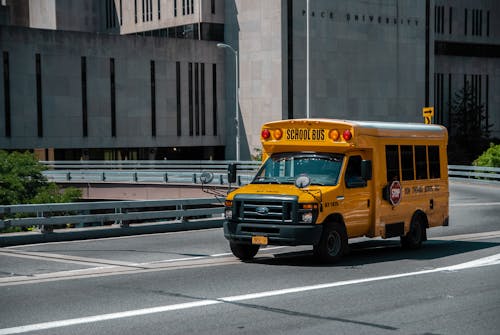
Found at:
<point>356,203</point>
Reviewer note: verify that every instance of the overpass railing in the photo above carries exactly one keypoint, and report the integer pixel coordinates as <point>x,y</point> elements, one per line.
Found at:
<point>189,172</point>
<point>124,213</point>
<point>183,172</point>
<point>490,174</point>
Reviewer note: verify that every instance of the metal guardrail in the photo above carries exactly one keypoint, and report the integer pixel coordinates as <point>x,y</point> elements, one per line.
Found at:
<point>490,174</point>
<point>46,216</point>
<point>182,172</point>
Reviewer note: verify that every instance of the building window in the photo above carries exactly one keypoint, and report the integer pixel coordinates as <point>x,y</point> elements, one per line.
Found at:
<point>465,22</point>
<point>439,19</point>
<point>153,99</point>
<point>197,98</point>
<point>121,13</point>
<point>135,10</point>
<point>190,92</point>
<point>110,14</point>
<point>214,98</point>
<point>6,94</point>
<point>213,6</point>
<point>175,8</point>
<point>112,95</point>
<point>143,10</point>
<point>450,20</point>
<point>178,92</point>
<point>84,97</point>
<point>488,23</point>
<point>184,7</point>
<point>39,105</point>
<point>202,99</point>
<point>159,10</point>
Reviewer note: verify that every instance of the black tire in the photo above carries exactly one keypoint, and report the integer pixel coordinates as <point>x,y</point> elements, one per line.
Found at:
<point>245,252</point>
<point>414,238</point>
<point>333,243</point>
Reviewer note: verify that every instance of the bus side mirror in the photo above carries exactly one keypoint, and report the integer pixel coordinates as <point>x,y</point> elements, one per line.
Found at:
<point>366,169</point>
<point>231,173</point>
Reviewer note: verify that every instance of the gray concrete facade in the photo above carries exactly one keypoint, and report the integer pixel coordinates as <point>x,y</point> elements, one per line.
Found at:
<point>61,55</point>
<point>369,60</point>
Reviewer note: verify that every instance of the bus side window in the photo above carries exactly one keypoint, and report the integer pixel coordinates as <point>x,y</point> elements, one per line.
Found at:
<point>421,161</point>
<point>434,162</point>
<point>353,177</point>
<point>392,162</point>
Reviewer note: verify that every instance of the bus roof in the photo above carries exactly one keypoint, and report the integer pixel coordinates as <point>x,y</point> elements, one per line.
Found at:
<point>370,128</point>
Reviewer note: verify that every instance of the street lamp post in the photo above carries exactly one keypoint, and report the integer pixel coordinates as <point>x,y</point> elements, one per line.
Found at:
<point>236,97</point>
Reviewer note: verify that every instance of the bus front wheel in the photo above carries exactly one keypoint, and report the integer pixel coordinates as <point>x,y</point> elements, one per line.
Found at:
<point>333,243</point>
<point>244,252</point>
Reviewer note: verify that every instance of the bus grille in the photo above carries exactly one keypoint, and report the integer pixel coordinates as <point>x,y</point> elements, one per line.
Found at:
<point>249,208</point>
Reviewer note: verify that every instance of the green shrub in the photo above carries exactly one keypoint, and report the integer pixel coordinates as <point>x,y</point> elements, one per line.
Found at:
<point>490,157</point>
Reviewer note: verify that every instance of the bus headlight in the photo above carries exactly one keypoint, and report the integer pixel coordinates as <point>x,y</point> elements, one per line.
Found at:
<point>228,211</point>
<point>307,217</point>
<point>308,213</point>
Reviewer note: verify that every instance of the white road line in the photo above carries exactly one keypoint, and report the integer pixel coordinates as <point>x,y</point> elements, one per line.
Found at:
<point>476,204</point>
<point>485,261</point>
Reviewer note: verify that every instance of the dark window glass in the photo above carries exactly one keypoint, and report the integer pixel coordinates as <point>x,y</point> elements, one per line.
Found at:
<point>465,23</point>
<point>214,98</point>
<point>85,131</point>
<point>213,6</point>
<point>202,99</point>
<point>190,93</point>
<point>407,162</point>
<point>39,95</point>
<point>153,99</point>
<point>112,95</point>
<point>392,162</point>
<point>178,92</point>
<point>353,173</point>
<point>135,11</point>
<point>421,161</point>
<point>175,8</point>
<point>434,162</point>
<point>6,94</point>
<point>159,9</point>
<point>197,98</point>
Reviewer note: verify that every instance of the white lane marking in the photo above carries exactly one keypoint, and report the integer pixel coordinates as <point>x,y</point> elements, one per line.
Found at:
<point>475,204</point>
<point>485,261</point>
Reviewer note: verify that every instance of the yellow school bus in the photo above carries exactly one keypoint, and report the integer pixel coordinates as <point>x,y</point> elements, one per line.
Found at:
<point>324,181</point>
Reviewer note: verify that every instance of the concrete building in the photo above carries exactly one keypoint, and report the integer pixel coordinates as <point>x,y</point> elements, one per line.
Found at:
<point>144,79</point>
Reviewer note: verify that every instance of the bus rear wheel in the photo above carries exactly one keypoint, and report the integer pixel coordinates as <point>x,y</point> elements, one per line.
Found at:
<point>416,235</point>
<point>245,252</point>
<point>333,243</point>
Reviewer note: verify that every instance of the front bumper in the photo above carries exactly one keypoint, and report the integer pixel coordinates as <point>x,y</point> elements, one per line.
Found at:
<point>277,234</point>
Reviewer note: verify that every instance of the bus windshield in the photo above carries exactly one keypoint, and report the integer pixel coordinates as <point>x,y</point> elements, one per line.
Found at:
<point>284,168</point>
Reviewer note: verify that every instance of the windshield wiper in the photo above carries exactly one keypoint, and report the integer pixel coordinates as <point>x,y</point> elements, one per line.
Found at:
<point>266,180</point>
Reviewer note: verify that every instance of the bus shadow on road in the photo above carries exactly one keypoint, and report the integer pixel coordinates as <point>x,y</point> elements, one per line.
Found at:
<point>380,251</point>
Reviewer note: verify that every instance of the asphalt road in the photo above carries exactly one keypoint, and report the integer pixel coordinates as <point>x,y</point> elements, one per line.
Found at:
<point>189,283</point>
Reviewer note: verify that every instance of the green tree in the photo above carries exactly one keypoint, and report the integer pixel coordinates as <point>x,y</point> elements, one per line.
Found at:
<point>490,157</point>
<point>469,129</point>
<point>469,115</point>
<point>22,181</point>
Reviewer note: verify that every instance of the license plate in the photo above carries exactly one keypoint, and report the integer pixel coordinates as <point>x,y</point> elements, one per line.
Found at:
<point>261,240</point>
